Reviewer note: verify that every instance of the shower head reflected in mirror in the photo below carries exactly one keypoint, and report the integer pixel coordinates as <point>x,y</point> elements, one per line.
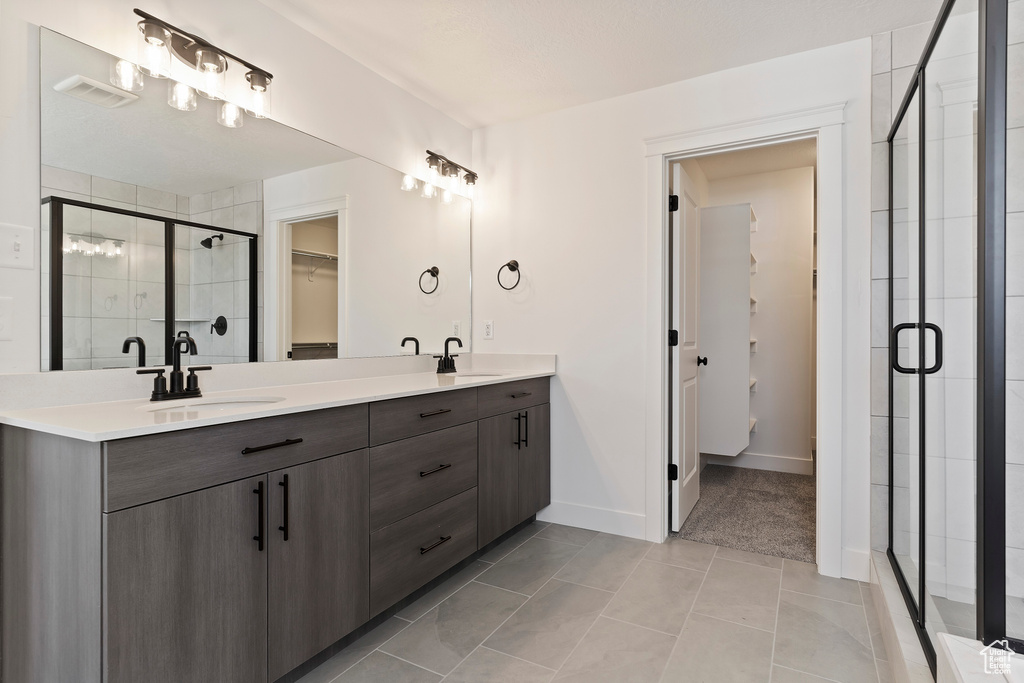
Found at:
<point>208,242</point>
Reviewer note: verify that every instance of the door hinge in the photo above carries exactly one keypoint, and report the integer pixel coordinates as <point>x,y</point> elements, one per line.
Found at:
<point>673,202</point>
<point>673,472</point>
<point>673,337</point>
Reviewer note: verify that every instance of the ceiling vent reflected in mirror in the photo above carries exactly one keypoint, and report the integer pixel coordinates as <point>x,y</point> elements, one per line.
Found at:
<point>94,92</point>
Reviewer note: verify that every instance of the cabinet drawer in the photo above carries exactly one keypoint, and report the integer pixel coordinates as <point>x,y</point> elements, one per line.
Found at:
<point>495,399</point>
<point>401,418</point>
<point>410,475</point>
<point>148,468</point>
<point>411,552</point>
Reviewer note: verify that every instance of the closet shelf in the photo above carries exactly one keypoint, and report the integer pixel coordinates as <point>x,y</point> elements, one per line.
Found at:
<point>315,254</point>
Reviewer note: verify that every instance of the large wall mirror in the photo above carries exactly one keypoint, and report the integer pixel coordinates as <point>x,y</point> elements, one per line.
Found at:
<point>260,242</point>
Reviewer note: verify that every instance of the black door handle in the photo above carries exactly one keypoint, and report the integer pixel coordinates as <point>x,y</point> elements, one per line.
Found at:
<point>518,443</point>
<point>259,511</point>
<point>702,360</point>
<point>526,429</point>
<point>284,516</point>
<point>938,348</point>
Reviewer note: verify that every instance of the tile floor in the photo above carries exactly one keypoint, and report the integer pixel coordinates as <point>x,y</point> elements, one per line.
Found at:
<point>560,603</point>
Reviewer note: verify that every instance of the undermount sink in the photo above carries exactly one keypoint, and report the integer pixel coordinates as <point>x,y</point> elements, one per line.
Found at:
<point>214,405</point>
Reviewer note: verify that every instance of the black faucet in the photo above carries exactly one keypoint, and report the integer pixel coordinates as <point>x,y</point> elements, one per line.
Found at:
<point>413,340</point>
<point>446,363</point>
<point>142,349</point>
<point>180,386</point>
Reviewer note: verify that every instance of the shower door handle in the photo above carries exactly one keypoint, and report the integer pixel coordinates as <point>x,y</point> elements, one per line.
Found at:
<point>894,348</point>
<point>938,348</point>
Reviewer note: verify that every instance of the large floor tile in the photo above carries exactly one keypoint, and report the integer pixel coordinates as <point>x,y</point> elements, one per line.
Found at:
<point>802,577</point>
<point>529,566</point>
<point>514,541</point>
<point>339,663</point>
<point>605,562</point>
<point>382,667</point>
<point>567,534</point>
<point>447,634</point>
<point>750,558</point>
<point>551,623</point>
<point>495,667</point>
<point>824,637</point>
<point>781,674</point>
<point>715,651</point>
<point>874,625</point>
<point>618,653</point>
<point>682,553</point>
<point>741,593</point>
<point>434,597</point>
<point>657,596</point>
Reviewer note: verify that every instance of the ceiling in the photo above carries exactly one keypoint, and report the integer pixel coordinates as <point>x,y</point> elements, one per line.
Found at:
<point>151,144</point>
<point>763,159</point>
<point>487,61</point>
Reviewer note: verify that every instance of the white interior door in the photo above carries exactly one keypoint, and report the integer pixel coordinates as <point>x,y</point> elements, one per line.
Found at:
<point>724,336</point>
<point>686,319</point>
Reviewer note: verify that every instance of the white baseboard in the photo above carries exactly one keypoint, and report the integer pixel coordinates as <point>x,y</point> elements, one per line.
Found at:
<point>597,519</point>
<point>856,564</point>
<point>758,461</point>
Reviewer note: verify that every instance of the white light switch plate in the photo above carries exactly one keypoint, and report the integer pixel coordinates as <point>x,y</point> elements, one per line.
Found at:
<point>17,246</point>
<point>6,318</point>
<point>488,329</point>
<point>456,328</point>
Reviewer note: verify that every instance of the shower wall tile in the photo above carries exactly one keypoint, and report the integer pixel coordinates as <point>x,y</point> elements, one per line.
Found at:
<point>202,266</point>
<point>900,82</point>
<point>881,106</point>
<point>1014,330</point>
<point>77,294</point>
<point>107,336</point>
<point>879,516</point>
<point>248,192</point>
<point>879,245</point>
<point>880,314</point>
<point>1015,29</point>
<point>223,300</point>
<point>222,256</point>
<point>201,298</point>
<point>223,198</point>
<point>183,206</point>
<point>1015,428</point>
<point>109,298</point>
<point>881,53</point>
<point>157,199</point>
<point>879,382</point>
<point>880,450</point>
<point>103,188</point>
<point>247,216</point>
<point>879,176</point>
<point>241,298</point>
<point>223,217</point>
<point>200,203</point>
<point>908,43</point>
<point>65,181</point>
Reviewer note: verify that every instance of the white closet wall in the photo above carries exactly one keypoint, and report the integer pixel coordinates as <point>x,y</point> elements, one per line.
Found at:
<point>781,401</point>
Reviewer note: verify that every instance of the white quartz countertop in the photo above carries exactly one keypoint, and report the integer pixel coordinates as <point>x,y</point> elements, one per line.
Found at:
<point>124,419</point>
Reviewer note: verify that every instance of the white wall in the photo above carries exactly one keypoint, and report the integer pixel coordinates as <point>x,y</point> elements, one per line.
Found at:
<point>565,196</point>
<point>316,89</point>
<point>784,204</point>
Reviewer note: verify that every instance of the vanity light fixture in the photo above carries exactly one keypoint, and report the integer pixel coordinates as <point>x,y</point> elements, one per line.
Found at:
<point>447,196</point>
<point>159,41</point>
<point>126,76</point>
<point>408,183</point>
<point>446,173</point>
<point>428,191</point>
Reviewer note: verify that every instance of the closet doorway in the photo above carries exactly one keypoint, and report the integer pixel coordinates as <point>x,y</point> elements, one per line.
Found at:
<point>315,327</point>
<point>742,375</point>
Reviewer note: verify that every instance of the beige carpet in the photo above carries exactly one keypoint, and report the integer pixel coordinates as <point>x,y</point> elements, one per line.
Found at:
<point>771,513</point>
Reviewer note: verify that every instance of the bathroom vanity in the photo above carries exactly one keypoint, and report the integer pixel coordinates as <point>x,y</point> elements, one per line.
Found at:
<point>234,541</point>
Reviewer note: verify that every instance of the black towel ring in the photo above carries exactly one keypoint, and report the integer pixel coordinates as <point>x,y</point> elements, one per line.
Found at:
<point>433,272</point>
<point>513,267</point>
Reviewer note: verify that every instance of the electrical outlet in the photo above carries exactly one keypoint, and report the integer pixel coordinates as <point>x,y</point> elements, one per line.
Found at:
<point>6,318</point>
<point>488,329</point>
<point>456,328</point>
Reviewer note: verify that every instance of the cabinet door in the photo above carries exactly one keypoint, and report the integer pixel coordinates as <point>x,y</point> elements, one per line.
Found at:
<point>498,493</point>
<point>185,588</point>
<point>319,557</point>
<point>535,461</point>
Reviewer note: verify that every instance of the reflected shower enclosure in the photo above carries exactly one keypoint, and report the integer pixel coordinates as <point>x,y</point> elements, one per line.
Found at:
<point>115,273</point>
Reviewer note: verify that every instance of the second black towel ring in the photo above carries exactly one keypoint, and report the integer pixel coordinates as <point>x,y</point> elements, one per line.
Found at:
<point>513,267</point>
<point>433,271</point>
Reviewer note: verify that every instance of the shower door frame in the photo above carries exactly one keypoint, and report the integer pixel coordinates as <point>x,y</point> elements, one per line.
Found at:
<point>990,494</point>
<point>56,300</point>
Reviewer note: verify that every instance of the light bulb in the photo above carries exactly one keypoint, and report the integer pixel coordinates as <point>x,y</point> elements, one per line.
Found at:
<point>433,169</point>
<point>154,56</point>
<point>408,183</point>
<point>182,97</point>
<point>126,76</point>
<point>446,197</point>
<point>429,191</point>
<point>259,95</point>
<point>211,66</point>
<point>230,115</point>
<point>97,249</point>
<point>74,245</point>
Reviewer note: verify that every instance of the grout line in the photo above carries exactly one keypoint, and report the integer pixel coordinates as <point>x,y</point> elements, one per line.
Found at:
<point>418,666</point>
<point>789,668</point>
<point>408,620</point>
<point>505,654</point>
<point>734,623</point>
<point>346,670</point>
<point>690,613</point>
<point>646,628</point>
<point>752,564</point>
<point>583,585</point>
<point>726,559</point>
<point>677,566</point>
<point>501,588</point>
<point>775,631</point>
<point>871,641</point>
<point>822,597</point>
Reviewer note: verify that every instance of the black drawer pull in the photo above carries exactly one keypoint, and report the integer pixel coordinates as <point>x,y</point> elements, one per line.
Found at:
<point>257,449</point>
<point>522,395</point>
<point>284,520</point>
<point>259,511</point>
<point>424,551</point>
<point>436,469</point>
<point>526,429</point>
<point>442,411</point>
<point>518,443</point>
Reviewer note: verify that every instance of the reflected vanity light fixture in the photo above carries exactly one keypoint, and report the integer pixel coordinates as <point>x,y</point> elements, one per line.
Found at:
<point>159,41</point>
<point>444,178</point>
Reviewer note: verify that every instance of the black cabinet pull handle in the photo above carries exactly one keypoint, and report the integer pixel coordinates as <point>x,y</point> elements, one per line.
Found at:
<point>518,443</point>
<point>424,551</point>
<point>521,395</point>
<point>256,449</point>
<point>442,411</point>
<point>259,526</point>
<point>284,516</point>
<point>436,469</point>
<point>526,429</point>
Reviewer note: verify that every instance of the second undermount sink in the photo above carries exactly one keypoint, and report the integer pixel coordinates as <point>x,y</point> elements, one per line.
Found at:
<point>214,405</point>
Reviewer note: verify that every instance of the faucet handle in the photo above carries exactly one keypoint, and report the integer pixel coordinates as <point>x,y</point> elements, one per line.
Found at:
<point>192,381</point>
<point>159,382</point>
